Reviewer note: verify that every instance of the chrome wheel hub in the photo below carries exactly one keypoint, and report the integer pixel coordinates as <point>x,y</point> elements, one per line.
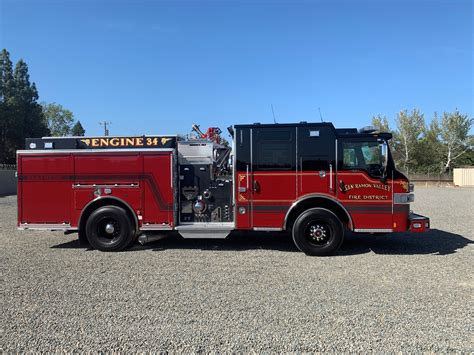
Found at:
<point>109,228</point>
<point>317,233</point>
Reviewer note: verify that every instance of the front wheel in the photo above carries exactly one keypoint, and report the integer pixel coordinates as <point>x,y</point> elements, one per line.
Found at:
<point>110,229</point>
<point>318,232</point>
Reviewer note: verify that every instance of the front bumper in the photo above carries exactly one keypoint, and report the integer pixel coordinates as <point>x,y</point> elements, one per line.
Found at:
<point>418,223</point>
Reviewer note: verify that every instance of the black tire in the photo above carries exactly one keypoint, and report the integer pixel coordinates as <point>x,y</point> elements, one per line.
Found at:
<point>83,239</point>
<point>109,228</point>
<point>318,232</point>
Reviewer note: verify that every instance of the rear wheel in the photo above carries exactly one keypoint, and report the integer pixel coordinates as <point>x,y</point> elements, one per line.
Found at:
<point>110,229</point>
<point>318,232</point>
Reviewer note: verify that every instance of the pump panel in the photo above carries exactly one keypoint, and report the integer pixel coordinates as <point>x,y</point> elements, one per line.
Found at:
<point>205,183</point>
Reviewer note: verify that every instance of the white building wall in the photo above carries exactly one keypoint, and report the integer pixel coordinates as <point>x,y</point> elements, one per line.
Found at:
<point>463,176</point>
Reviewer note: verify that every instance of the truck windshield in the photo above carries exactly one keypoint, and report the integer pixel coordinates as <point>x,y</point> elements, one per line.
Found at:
<point>370,156</point>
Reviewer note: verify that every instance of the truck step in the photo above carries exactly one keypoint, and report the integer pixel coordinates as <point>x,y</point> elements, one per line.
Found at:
<point>205,230</point>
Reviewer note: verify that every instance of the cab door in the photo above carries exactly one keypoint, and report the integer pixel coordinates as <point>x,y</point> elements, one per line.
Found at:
<point>361,186</point>
<point>273,175</point>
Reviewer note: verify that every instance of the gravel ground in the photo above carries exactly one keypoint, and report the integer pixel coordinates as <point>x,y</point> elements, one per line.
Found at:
<point>251,292</point>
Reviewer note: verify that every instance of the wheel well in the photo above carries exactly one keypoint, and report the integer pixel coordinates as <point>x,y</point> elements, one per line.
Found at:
<point>101,203</point>
<point>321,202</point>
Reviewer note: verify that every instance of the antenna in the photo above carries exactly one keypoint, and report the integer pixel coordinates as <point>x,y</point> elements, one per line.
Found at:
<point>273,112</point>
<point>105,123</point>
<point>320,116</point>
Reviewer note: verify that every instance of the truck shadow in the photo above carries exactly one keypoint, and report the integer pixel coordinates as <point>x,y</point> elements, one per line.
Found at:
<point>436,242</point>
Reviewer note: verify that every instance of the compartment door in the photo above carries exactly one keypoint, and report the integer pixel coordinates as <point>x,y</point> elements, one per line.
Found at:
<point>158,192</point>
<point>316,161</point>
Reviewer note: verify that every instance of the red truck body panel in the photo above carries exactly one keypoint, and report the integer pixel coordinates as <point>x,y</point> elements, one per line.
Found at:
<point>54,188</point>
<point>368,201</point>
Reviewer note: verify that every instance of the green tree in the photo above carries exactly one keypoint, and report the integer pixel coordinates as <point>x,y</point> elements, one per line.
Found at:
<point>428,155</point>
<point>20,114</point>
<point>29,118</point>
<point>6,105</point>
<point>6,76</point>
<point>381,123</point>
<point>410,128</point>
<point>77,130</point>
<point>58,119</point>
<point>455,137</point>
<point>467,159</point>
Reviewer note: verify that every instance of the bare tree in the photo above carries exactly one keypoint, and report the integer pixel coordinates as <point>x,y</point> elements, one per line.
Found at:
<point>455,136</point>
<point>411,126</point>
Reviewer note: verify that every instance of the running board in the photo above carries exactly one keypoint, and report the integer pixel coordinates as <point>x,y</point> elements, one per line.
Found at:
<point>205,230</point>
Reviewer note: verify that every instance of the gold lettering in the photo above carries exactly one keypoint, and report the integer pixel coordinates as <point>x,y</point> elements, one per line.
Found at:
<point>375,197</point>
<point>139,141</point>
<point>130,141</point>
<point>95,142</point>
<point>114,142</point>
<point>104,142</point>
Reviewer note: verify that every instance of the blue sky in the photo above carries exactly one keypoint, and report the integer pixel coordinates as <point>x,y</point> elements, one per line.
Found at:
<point>159,66</point>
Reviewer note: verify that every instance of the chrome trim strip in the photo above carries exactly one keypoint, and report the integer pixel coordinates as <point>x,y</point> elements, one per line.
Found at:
<point>40,226</point>
<point>392,194</point>
<point>208,224</point>
<point>247,172</point>
<point>305,197</point>
<point>373,230</point>
<point>330,177</point>
<point>266,229</point>
<point>115,186</point>
<point>148,227</point>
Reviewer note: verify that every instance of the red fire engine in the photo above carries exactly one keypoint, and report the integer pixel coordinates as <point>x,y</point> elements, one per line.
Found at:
<point>309,179</point>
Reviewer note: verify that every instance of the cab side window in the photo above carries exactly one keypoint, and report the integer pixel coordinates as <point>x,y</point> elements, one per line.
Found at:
<point>349,160</point>
<point>360,155</point>
<point>274,149</point>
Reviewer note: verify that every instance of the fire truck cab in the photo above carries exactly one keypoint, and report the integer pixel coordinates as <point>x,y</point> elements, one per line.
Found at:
<point>310,179</point>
